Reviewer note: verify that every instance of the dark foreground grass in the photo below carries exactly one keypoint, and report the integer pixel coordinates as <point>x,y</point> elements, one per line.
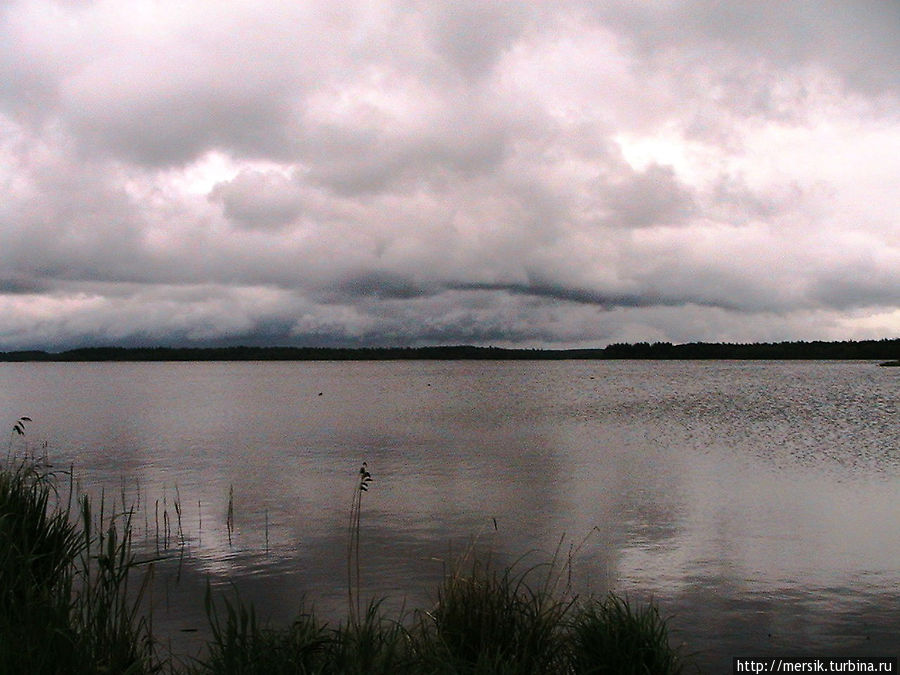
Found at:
<point>71,589</point>
<point>65,601</point>
<point>485,621</point>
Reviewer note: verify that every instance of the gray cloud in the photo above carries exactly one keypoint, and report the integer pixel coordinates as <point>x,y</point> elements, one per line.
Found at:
<point>857,287</point>
<point>570,173</point>
<point>473,35</point>
<point>255,199</point>
<point>568,294</point>
<point>651,197</point>
<point>855,40</point>
<point>380,285</point>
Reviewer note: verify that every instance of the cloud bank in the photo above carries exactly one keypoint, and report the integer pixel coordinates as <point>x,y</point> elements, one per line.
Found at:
<point>394,173</point>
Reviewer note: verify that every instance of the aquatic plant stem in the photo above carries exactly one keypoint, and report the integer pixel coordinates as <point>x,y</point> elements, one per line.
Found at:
<point>229,517</point>
<point>362,485</point>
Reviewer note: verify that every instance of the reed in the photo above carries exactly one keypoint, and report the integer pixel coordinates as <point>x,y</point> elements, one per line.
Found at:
<point>113,630</point>
<point>65,601</point>
<point>17,429</point>
<point>364,478</point>
<point>229,515</point>
<point>37,548</point>
<point>177,505</point>
<point>496,620</point>
<point>487,620</point>
<point>71,593</point>
<point>610,635</point>
<point>372,643</point>
<point>240,644</point>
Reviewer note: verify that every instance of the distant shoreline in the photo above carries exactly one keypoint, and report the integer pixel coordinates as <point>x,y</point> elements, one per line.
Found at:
<point>846,350</point>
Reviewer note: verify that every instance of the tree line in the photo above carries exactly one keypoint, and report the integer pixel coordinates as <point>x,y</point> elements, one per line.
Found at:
<point>816,350</point>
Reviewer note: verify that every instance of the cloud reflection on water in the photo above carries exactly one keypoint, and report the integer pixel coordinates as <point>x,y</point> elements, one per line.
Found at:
<point>748,499</point>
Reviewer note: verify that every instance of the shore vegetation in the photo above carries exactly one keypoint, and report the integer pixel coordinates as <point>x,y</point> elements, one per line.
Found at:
<point>796,350</point>
<point>72,596</point>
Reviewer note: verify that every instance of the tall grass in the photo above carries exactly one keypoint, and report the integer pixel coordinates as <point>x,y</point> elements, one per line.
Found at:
<point>65,602</point>
<point>108,618</point>
<point>69,603</point>
<point>37,549</point>
<point>485,621</point>
<point>489,620</point>
<point>240,644</point>
<point>610,635</point>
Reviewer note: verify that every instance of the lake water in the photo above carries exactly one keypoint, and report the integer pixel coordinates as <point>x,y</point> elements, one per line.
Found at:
<point>758,503</point>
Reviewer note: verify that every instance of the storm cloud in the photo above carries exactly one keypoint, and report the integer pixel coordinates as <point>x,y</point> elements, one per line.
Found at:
<point>393,173</point>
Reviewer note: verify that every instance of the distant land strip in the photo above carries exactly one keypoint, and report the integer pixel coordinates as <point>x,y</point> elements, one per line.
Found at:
<point>864,349</point>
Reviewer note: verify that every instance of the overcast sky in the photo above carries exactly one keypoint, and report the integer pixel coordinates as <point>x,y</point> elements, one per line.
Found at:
<point>550,173</point>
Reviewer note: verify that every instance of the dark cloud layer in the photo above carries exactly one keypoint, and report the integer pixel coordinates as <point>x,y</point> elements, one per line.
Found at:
<point>561,174</point>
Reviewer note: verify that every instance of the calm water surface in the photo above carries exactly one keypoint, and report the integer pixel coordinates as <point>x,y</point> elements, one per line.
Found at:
<point>757,502</point>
